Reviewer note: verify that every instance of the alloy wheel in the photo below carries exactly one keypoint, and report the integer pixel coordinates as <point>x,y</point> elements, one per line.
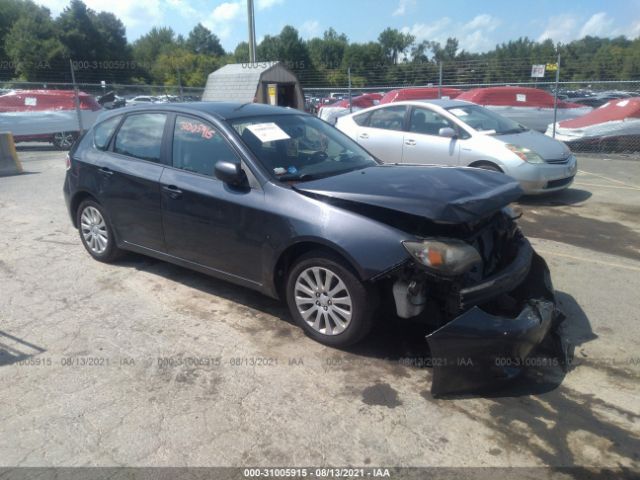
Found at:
<point>323,300</point>
<point>94,230</point>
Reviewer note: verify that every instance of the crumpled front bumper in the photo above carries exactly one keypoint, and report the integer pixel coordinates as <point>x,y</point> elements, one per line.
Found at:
<point>477,351</point>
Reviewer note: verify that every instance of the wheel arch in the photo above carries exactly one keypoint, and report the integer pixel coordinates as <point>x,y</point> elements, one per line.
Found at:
<point>77,199</point>
<point>480,163</point>
<point>294,251</point>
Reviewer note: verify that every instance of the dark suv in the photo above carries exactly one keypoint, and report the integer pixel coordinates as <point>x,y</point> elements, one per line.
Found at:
<point>279,201</point>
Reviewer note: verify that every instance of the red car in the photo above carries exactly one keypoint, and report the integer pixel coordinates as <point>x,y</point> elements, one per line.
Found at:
<point>420,93</point>
<point>46,115</point>
<point>532,107</point>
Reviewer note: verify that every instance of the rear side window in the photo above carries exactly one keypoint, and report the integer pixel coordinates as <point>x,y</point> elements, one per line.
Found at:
<point>102,133</point>
<point>197,146</point>
<point>389,118</point>
<point>362,119</point>
<point>140,136</point>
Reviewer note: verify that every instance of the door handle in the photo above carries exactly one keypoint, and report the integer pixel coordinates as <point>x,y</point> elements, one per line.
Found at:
<point>106,171</point>
<point>172,191</point>
<point>364,135</point>
<point>410,142</point>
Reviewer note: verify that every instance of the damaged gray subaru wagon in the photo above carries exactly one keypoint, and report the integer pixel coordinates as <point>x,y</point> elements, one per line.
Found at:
<point>281,202</point>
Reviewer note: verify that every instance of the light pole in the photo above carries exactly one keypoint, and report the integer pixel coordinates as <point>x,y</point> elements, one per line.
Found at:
<point>252,32</point>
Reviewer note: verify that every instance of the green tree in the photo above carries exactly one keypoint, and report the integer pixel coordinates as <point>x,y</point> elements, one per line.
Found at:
<point>241,53</point>
<point>78,32</point>
<point>201,40</point>
<point>113,39</point>
<point>394,43</point>
<point>33,45</point>
<point>326,53</point>
<point>148,48</point>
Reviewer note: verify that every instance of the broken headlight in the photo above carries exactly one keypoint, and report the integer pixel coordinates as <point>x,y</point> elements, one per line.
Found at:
<point>448,257</point>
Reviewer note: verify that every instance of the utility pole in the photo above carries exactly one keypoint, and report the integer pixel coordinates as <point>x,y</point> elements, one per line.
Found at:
<point>252,32</point>
<point>349,76</point>
<point>76,96</point>
<point>555,98</point>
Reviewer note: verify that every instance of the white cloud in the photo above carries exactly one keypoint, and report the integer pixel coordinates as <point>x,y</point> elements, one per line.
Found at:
<point>226,12</point>
<point>567,27</point>
<point>634,30</point>
<point>402,7</point>
<point>483,21</point>
<point>221,20</point>
<point>310,29</point>
<point>141,13</point>
<point>473,36</point>
<point>599,25</point>
<point>266,4</point>
<point>560,28</point>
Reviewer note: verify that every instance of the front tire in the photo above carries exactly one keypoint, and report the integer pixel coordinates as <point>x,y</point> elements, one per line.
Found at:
<point>96,232</point>
<point>328,301</point>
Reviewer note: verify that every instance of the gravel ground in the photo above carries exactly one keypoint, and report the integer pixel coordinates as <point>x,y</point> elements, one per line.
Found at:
<point>142,363</point>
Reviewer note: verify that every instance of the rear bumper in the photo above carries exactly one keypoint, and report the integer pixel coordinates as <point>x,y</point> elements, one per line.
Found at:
<point>478,350</point>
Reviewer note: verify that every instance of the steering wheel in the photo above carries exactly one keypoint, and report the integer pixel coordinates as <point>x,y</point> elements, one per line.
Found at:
<point>318,157</point>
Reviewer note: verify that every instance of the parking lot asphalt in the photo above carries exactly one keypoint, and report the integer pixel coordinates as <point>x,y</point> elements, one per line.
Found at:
<point>142,363</point>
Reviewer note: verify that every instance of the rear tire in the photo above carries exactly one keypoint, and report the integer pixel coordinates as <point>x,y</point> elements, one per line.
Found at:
<point>96,232</point>
<point>64,140</point>
<point>328,301</point>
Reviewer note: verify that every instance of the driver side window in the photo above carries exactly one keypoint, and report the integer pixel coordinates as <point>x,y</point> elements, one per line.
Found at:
<point>428,122</point>
<point>198,146</point>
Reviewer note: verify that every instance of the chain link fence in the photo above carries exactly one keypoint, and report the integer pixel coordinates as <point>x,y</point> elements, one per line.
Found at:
<point>596,105</point>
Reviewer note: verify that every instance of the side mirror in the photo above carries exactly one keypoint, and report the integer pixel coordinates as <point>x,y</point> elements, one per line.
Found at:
<point>230,173</point>
<point>447,132</point>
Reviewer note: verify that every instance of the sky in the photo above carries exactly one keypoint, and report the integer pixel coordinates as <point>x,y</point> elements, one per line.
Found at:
<point>479,26</point>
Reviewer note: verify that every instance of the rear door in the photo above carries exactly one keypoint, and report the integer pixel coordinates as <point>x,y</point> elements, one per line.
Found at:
<point>382,133</point>
<point>206,221</point>
<point>129,173</point>
<point>422,142</point>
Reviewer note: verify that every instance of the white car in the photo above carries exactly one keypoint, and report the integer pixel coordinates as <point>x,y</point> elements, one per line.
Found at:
<point>141,100</point>
<point>454,132</point>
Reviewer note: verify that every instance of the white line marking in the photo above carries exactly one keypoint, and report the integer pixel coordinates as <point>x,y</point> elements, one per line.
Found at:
<point>609,179</point>
<point>605,186</point>
<point>589,260</point>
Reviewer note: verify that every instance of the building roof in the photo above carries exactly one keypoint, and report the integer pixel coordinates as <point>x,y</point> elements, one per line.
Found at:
<point>236,82</point>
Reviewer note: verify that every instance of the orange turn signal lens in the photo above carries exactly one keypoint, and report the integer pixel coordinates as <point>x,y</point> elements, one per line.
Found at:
<point>435,258</point>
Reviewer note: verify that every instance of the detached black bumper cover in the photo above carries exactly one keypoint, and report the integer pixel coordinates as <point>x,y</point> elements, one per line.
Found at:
<point>478,350</point>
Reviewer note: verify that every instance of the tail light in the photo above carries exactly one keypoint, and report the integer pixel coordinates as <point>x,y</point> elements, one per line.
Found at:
<point>68,162</point>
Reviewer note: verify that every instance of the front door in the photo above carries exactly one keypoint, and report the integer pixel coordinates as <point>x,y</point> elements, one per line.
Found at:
<point>206,221</point>
<point>422,142</point>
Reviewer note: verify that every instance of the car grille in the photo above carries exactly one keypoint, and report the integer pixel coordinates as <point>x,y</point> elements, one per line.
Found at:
<point>556,161</point>
<point>558,183</point>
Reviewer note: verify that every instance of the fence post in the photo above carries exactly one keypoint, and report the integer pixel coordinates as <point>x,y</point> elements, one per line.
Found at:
<point>180,86</point>
<point>349,77</point>
<point>555,97</point>
<point>440,80</point>
<point>76,96</point>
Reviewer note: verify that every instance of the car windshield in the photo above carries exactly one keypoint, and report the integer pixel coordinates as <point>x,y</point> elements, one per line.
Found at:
<point>300,147</point>
<point>484,120</point>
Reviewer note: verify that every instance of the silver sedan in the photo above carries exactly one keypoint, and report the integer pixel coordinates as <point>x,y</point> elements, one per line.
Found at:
<point>453,132</point>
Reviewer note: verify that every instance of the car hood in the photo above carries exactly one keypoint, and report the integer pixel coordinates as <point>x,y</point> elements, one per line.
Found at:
<point>448,195</point>
<point>547,147</point>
